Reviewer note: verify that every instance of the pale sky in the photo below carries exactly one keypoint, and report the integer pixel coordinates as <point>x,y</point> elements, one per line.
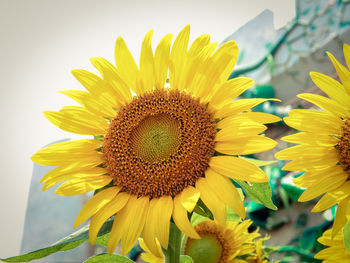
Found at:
<point>42,40</point>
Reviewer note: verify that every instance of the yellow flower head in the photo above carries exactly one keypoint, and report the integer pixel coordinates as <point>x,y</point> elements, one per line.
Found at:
<point>217,244</point>
<point>336,252</point>
<point>259,256</point>
<point>324,143</point>
<point>155,152</point>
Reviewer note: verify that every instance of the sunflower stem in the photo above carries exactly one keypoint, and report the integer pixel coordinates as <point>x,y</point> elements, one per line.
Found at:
<point>172,254</point>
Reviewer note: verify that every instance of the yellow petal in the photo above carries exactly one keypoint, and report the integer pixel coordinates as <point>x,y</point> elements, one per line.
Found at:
<point>95,204</point>
<point>64,153</point>
<point>77,120</point>
<point>212,201</point>
<point>128,224</point>
<point>196,70</point>
<point>332,88</point>
<point>83,185</point>
<point>145,248</point>
<point>309,162</point>
<point>161,60</point>
<point>147,64</point>
<point>91,103</point>
<point>340,217</point>
<point>332,254</point>
<point>82,173</point>
<point>314,176</point>
<point>332,181</point>
<point>306,151</point>
<point>261,117</point>
<point>125,63</point>
<point>258,162</point>
<point>149,230</point>
<point>96,86</point>
<point>72,169</point>
<point>307,138</point>
<point>134,224</point>
<point>229,90</point>
<point>181,219</point>
<point>198,44</point>
<point>165,203</point>
<point>342,71</point>
<point>245,145</point>
<point>189,198</point>
<point>324,203</point>
<point>237,127</point>
<point>325,104</point>
<point>331,198</point>
<point>178,57</point>
<point>237,168</point>
<point>117,85</point>
<point>228,192</point>
<point>147,257</point>
<point>115,205</point>
<point>220,65</point>
<point>238,106</point>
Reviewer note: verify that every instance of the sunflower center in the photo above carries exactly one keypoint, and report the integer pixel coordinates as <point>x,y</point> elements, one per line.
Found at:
<point>343,147</point>
<point>205,250</point>
<point>156,137</point>
<point>159,143</point>
<point>212,247</point>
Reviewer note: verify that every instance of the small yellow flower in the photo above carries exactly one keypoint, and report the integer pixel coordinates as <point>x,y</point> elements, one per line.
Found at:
<point>258,256</point>
<point>336,252</point>
<point>324,143</point>
<point>155,152</point>
<point>217,244</point>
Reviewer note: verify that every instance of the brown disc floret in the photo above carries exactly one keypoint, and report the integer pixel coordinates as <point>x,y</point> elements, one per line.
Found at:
<point>343,147</point>
<point>159,143</point>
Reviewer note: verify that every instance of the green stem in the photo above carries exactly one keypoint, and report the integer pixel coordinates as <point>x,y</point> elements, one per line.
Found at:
<point>172,254</point>
<point>297,250</point>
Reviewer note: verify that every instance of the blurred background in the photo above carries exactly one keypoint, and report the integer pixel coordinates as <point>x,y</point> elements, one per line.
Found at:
<point>42,40</point>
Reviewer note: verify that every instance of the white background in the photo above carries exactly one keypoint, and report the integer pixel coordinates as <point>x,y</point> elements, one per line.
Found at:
<point>42,40</point>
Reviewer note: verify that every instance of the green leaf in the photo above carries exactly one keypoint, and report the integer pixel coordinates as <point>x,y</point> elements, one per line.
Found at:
<point>186,259</point>
<point>102,240</point>
<point>105,258</point>
<point>197,218</point>
<point>258,192</point>
<point>308,238</point>
<point>346,233</point>
<point>72,241</point>
<point>231,215</point>
<point>203,210</point>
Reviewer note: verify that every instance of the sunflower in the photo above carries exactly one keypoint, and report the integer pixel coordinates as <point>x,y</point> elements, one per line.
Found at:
<point>323,152</point>
<point>336,252</point>
<point>217,244</point>
<point>156,141</point>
